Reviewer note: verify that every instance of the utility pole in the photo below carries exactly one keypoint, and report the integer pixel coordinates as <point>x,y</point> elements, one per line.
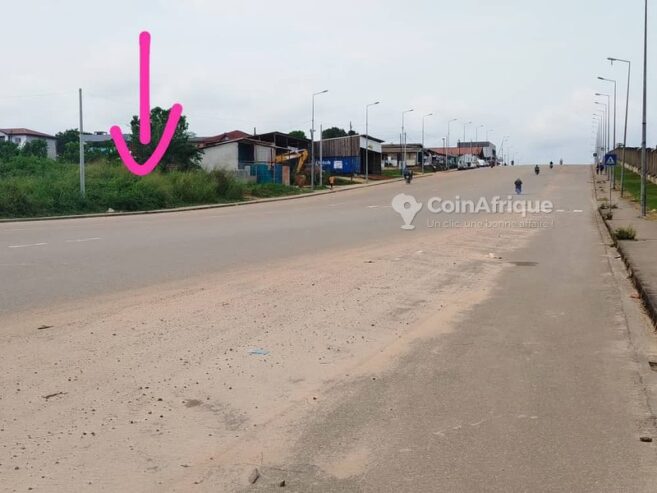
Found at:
<point>321,157</point>
<point>367,140</point>
<point>403,139</point>
<point>627,105</point>
<point>83,191</point>
<point>312,141</point>
<point>425,116</point>
<point>644,169</point>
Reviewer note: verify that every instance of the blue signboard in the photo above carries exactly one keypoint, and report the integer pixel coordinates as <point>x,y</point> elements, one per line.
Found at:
<point>611,159</point>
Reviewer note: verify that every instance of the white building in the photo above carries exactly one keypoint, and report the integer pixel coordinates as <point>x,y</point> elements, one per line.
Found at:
<point>20,136</point>
<point>234,151</point>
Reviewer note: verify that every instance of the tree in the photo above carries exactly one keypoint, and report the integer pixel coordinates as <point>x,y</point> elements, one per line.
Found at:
<point>181,153</point>
<point>8,150</point>
<point>37,148</point>
<point>299,134</point>
<point>66,137</point>
<point>333,132</point>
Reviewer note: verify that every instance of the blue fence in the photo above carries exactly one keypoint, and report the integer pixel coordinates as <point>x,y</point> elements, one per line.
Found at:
<point>341,165</point>
<point>266,173</point>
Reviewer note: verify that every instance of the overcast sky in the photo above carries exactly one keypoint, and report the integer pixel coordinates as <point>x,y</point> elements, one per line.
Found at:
<point>522,68</point>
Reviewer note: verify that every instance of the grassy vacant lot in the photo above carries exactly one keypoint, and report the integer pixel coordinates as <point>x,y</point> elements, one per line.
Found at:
<point>32,186</point>
<point>632,187</point>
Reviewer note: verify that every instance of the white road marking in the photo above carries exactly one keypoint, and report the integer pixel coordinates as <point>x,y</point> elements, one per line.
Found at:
<point>372,206</point>
<point>560,210</point>
<point>578,210</point>
<point>28,245</point>
<point>83,239</point>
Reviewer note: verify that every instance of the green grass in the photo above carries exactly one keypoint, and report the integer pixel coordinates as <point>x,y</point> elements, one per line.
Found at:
<point>626,233</point>
<point>392,173</point>
<point>632,187</point>
<point>31,187</point>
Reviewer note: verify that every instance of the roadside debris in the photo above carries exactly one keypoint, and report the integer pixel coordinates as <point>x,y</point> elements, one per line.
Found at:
<point>258,352</point>
<point>646,439</point>
<point>50,396</point>
<point>253,477</point>
<point>282,484</point>
<point>44,327</point>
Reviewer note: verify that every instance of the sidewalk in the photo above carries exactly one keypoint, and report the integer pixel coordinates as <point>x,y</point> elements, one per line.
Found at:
<point>638,255</point>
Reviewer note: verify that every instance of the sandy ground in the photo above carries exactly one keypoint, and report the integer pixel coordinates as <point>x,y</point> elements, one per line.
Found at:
<point>167,388</point>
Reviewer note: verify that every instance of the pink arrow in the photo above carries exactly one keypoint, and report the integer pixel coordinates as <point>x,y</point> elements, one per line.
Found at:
<point>145,118</point>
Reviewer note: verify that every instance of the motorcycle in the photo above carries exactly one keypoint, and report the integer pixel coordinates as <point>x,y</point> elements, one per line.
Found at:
<point>551,165</point>
<point>537,170</point>
<point>518,185</point>
<point>408,176</point>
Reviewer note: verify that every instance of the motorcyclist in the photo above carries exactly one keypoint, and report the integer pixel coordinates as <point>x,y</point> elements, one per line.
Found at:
<point>518,184</point>
<point>408,174</point>
<point>537,170</point>
<point>551,165</point>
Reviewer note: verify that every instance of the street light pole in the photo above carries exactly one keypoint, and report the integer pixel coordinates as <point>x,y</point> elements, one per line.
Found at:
<point>477,132</point>
<point>465,125</point>
<point>449,124</point>
<point>445,154</point>
<point>83,190</point>
<point>613,142</point>
<point>403,139</point>
<point>423,118</point>
<point>644,168</point>
<point>312,142</point>
<point>367,140</point>
<point>627,105</point>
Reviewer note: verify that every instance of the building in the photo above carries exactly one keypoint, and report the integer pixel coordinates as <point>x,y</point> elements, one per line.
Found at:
<point>483,150</point>
<point>479,150</point>
<point>20,136</point>
<point>233,151</point>
<point>245,156</point>
<point>284,142</point>
<point>392,155</point>
<point>348,155</point>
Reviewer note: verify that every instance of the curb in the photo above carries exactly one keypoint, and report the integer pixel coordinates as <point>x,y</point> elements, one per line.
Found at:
<point>211,206</point>
<point>649,301</point>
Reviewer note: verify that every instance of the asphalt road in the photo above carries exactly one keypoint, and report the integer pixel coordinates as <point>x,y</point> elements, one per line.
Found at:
<point>535,387</point>
<point>68,260</point>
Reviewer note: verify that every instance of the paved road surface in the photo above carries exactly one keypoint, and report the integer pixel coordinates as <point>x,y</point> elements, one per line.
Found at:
<point>531,383</point>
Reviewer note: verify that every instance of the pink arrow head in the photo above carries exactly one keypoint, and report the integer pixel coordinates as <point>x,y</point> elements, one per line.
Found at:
<point>160,149</point>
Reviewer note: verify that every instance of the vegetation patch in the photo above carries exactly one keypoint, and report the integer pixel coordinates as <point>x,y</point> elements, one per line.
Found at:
<point>625,233</point>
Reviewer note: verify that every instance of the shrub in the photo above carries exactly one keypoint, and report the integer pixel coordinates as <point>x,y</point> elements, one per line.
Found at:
<point>625,233</point>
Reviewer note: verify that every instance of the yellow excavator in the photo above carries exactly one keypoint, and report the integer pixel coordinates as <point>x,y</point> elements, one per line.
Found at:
<point>302,157</point>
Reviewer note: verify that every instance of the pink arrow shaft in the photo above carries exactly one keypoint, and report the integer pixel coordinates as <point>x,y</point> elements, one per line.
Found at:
<point>144,88</point>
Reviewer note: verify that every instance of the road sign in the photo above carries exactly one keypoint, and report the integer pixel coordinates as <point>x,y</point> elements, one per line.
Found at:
<point>611,159</point>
